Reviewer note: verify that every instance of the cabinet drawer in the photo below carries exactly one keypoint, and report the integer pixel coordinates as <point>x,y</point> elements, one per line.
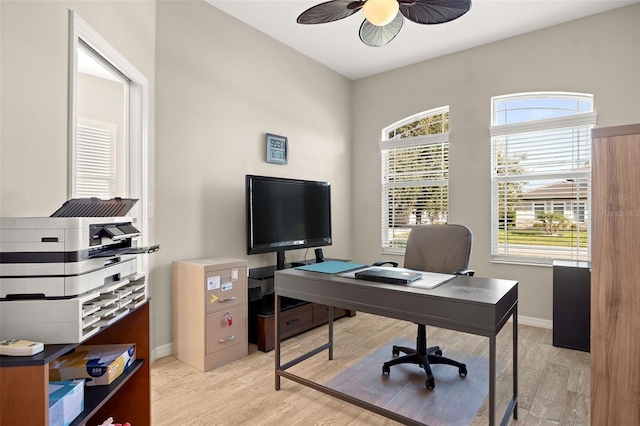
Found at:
<point>220,335</point>
<point>294,321</point>
<point>225,288</point>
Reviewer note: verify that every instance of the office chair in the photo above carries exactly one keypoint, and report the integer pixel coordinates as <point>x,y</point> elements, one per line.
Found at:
<point>433,248</point>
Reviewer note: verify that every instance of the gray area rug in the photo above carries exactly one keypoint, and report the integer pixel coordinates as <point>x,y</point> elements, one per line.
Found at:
<point>454,401</point>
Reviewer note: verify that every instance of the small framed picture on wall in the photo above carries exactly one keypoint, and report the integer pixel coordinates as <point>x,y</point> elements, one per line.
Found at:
<point>277,149</point>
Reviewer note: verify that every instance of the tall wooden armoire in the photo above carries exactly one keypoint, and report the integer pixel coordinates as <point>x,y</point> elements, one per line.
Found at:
<point>615,276</point>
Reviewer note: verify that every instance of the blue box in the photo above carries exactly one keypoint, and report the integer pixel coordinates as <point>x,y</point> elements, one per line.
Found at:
<point>66,401</point>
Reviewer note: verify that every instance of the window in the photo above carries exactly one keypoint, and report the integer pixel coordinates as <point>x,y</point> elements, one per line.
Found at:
<point>415,176</point>
<point>578,211</point>
<point>541,177</point>
<point>558,207</point>
<point>538,208</point>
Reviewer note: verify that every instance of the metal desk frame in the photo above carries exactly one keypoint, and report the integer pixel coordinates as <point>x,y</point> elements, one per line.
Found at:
<point>480,306</point>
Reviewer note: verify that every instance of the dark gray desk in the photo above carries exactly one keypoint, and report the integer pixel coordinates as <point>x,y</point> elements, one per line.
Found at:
<point>473,305</point>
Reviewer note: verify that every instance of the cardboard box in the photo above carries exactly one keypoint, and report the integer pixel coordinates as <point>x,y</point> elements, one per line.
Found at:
<point>98,364</point>
<point>66,401</point>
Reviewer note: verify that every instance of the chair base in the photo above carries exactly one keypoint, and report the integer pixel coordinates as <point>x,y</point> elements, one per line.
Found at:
<point>424,357</point>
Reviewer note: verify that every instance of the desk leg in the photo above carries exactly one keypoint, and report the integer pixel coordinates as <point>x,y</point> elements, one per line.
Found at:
<point>515,362</point>
<point>330,333</point>
<point>492,380</point>
<point>277,337</point>
<point>513,403</point>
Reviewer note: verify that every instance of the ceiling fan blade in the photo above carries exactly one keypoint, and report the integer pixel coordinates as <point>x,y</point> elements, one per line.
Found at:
<point>375,36</point>
<point>329,11</point>
<point>434,11</point>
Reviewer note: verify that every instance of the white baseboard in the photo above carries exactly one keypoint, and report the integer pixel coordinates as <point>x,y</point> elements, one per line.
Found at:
<point>161,351</point>
<point>535,322</point>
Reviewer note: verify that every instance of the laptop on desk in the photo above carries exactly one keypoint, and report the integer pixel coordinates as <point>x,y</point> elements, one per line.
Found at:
<point>401,276</point>
<point>388,275</point>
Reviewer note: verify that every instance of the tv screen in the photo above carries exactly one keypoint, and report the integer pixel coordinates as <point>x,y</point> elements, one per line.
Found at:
<point>285,214</point>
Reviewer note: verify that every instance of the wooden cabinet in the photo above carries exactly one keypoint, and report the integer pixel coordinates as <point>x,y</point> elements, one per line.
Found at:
<point>296,316</point>
<point>24,380</point>
<point>293,320</point>
<point>210,323</point>
<point>615,276</point>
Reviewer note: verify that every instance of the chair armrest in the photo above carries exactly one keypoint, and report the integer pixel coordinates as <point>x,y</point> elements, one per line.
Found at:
<point>468,272</point>
<point>383,262</point>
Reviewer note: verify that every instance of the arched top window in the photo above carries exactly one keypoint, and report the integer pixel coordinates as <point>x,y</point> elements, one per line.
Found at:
<point>426,123</point>
<point>526,107</point>
<point>415,175</point>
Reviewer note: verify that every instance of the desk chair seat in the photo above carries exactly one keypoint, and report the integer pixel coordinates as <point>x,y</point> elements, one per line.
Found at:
<point>434,248</point>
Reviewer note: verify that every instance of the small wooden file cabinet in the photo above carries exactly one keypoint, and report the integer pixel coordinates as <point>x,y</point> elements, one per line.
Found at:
<point>210,323</point>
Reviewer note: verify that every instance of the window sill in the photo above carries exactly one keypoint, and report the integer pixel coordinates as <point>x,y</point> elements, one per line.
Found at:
<point>546,263</point>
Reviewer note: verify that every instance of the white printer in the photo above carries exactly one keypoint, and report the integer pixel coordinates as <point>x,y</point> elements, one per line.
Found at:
<point>65,276</point>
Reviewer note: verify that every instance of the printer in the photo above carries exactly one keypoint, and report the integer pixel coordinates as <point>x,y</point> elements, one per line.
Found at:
<point>64,277</point>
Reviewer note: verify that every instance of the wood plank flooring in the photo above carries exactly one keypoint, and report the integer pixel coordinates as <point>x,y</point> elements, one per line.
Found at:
<point>554,383</point>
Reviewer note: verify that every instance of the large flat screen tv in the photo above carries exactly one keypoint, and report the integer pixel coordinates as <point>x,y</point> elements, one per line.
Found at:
<point>286,214</point>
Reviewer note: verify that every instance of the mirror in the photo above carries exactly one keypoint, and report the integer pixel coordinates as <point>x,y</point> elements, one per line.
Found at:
<point>101,129</point>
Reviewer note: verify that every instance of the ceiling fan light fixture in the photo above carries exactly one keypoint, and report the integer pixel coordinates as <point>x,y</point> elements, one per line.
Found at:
<point>380,12</point>
<point>385,18</point>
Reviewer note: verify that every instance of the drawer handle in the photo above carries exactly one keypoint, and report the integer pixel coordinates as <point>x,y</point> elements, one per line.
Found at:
<point>232,298</point>
<point>293,321</point>
<point>228,339</point>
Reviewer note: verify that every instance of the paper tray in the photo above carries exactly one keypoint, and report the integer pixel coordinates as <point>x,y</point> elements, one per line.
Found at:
<point>95,207</point>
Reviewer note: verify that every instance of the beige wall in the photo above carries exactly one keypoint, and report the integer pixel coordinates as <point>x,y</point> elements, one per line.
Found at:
<point>220,86</point>
<point>599,55</point>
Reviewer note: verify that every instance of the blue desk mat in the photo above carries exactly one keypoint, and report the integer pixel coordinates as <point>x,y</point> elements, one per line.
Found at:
<point>331,267</point>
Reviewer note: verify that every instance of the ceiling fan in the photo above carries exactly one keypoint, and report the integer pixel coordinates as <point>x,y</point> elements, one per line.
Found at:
<point>382,20</point>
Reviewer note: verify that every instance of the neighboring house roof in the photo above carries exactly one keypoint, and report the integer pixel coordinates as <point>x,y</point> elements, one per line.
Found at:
<point>560,190</point>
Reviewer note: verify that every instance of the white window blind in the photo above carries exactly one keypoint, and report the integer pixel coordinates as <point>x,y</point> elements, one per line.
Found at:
<point>541,177</point>
<point>415,176</point>
<point>95,159</point>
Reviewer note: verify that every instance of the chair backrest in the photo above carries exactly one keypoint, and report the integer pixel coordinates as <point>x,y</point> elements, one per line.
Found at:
<point>438,248</point>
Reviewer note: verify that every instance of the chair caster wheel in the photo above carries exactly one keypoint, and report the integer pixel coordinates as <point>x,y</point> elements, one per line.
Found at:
<point>386,369</point>
<point>462,371</point>
<point>395,351</point>
<point>438,352</point>
<point>430,383</point>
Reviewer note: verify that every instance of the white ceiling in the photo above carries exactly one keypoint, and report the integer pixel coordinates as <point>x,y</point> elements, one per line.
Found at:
<point>338,46</point>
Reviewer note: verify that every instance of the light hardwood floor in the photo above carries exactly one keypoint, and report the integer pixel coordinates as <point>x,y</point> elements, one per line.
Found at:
<point>554,384</point>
